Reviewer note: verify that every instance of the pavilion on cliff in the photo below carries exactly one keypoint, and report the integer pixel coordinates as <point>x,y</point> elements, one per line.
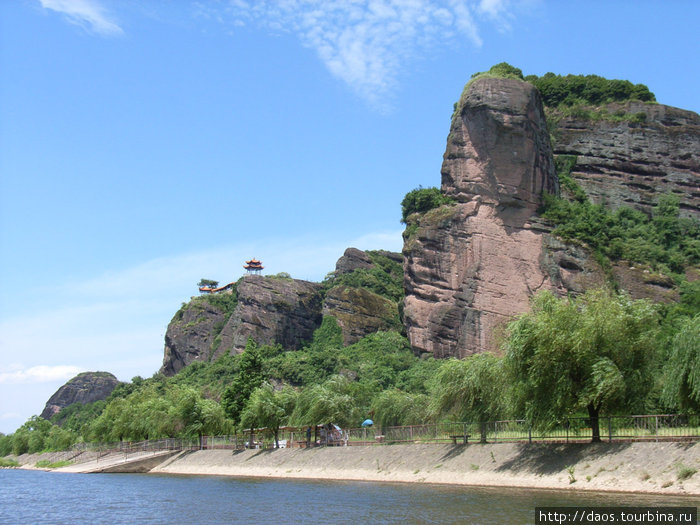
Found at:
<point>253,266</point>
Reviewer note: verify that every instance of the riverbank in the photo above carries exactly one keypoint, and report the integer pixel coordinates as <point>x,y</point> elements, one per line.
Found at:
<point>666,468</point>
<point>661,468</point>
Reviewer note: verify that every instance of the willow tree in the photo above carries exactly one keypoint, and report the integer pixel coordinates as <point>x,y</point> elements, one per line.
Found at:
<point>591,353</point>
<point>471,389</point>
<point>394,407</point>
<point>268,408</point>
<point>682,370</point>
<point>329,402</point>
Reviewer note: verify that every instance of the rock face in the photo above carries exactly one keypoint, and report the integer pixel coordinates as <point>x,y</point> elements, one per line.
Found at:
<point>352,260</point>
<point>269,310</point>
<point>273,310</point>
<point>284,311</point>
<point>87,387</point>
<point>360,312</point>
<point>473,265</point>
<point>633,161</point>
<point>191,335</point>
<point>498,149</point>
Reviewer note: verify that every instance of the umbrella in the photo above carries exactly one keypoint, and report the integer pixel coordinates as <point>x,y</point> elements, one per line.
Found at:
<point>367,423</point>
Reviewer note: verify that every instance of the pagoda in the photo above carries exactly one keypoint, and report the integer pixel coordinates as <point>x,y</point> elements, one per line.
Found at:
<point>253,266</point>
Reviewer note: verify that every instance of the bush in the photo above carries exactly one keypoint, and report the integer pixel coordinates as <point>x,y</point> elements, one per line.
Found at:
<point>570,90</point>
<point>422,200</point>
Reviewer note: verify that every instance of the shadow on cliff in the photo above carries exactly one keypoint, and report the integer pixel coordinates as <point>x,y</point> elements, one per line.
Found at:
<point>547,458</point>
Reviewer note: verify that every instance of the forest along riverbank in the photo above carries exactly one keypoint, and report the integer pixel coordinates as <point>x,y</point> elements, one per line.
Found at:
<point>669,468</point>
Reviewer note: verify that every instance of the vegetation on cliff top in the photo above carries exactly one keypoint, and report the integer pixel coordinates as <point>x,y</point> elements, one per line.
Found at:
<point>570,91</point>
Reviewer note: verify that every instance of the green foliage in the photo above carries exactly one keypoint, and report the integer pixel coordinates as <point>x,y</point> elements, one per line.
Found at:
<point>45,463</point>
<point>250,376</point>
<point>570,90</point>
<point>37,435</point>
<point>421,200</point>
<point>268,408</point>
<point>225,301</point>
<point>207,283</point>
<point>589,353</point>
<point>665,241</point>
<point>471,389</point>
<point>394,407</point>
<point>159,410</point>
<point>564,165</point>
<point>502,70</point>
<point>7,463</point>
<point>76,416</point>
<point>384,278</point>
<point>682,370</point>
<point>332,401</point>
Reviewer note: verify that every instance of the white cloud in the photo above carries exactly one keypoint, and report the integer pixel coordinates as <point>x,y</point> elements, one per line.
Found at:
<point>17,374</point>
<point>89,14</point>
<point>366,43</point>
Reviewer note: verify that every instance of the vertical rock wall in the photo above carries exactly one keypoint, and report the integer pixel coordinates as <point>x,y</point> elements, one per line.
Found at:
<point>473,265</point>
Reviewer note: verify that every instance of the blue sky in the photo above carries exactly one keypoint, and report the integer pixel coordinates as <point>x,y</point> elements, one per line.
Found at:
<point>145,145</point>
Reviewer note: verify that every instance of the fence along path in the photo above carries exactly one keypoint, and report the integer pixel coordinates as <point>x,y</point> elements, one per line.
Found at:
<point>659,427</point>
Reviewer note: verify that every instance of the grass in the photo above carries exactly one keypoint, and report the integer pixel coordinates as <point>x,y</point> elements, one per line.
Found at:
<point>45,463</point>
<point>5,463</point>
<point>685,472</point>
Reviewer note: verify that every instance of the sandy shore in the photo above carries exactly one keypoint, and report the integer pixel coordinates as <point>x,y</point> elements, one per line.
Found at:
<point>624,467</point>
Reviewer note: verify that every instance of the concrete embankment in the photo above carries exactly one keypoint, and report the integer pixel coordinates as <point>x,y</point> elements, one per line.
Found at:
<point>671,468</point>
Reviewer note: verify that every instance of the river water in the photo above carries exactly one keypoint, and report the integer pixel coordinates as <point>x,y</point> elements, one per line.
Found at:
<point>37,497</point>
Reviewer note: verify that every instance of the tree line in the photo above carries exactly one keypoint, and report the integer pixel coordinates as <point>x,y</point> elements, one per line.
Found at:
<point>599,353</point>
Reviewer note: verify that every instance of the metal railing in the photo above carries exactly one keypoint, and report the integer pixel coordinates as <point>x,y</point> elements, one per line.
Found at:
<point>658,427</point>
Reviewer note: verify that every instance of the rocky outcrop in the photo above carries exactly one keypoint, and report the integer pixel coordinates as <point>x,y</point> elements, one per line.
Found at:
<point>634,153</point>
<point>87,387</point>
<point>273,311</point>
<point>193,335</point>
<point>270,310</point>
<point>286,311</point>
<point>353,259</point>
<point>472,265</point>
<point>360,312</point>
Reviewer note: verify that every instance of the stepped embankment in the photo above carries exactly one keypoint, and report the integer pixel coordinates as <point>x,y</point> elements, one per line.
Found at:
<point>664,468</point>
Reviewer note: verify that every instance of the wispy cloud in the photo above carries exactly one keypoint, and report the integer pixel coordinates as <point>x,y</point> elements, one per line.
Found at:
<point>17,374</point>
<point>366,43</point>
<point>88,14</point>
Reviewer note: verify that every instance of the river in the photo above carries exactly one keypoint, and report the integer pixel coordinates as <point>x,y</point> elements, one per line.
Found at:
<point>37,497</point>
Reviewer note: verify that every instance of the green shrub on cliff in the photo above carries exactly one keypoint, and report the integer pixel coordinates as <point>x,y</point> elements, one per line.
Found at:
<point>421,200</point>
<point>570,90</point>
<point>665,241</point>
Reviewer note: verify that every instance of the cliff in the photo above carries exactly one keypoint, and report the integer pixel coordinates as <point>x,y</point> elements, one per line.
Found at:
<point>472,265</point>
<point>631,153</point>
<point>84,388</point>
<point>280,310</point>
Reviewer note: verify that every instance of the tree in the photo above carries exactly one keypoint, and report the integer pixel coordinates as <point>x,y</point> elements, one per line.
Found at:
<point>394,407</point>
<point>268,408</point>
<point>250,377</point>
<point>592,353</point>
<point>329,402</point>
<point>208,283</point>
<point>682,371</point>
<point>471,389</point>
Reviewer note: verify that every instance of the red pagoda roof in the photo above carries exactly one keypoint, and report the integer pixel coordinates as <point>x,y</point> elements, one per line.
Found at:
<point>253,264</point>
